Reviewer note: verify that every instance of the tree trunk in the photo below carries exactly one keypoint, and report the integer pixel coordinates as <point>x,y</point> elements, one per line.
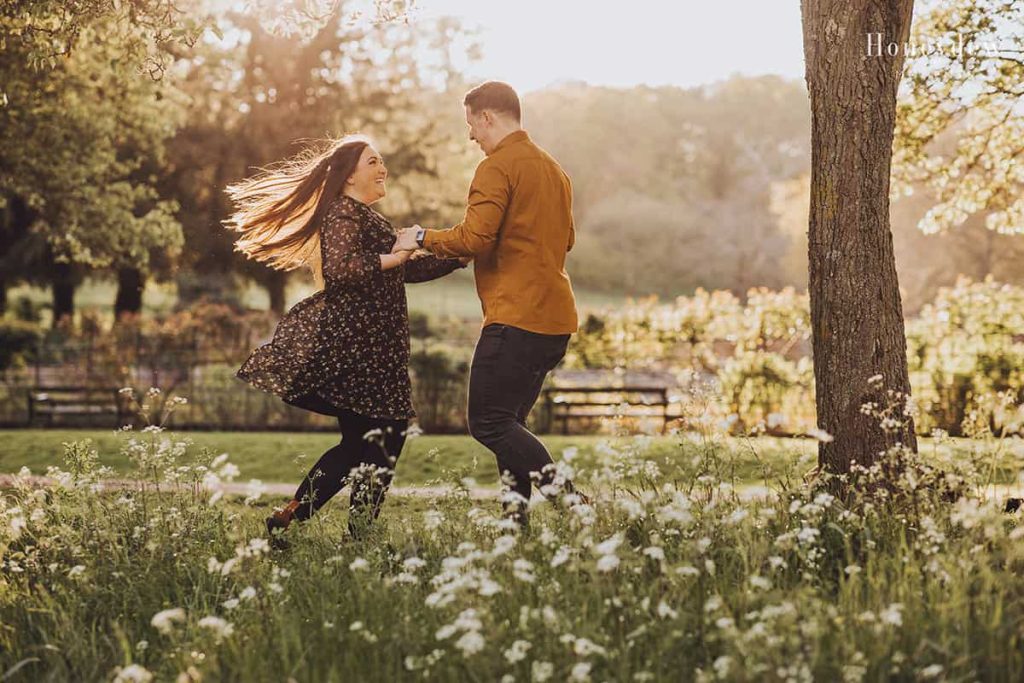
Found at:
<point>130,283</point>
<point>274,283</point>
<point>856,312</point>
<point>62,284</point>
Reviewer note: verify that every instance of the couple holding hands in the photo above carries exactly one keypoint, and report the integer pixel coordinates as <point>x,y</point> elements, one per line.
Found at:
<point>344,351</point>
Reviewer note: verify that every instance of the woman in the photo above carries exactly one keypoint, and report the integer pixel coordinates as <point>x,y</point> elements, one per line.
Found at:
<point>343,351</point>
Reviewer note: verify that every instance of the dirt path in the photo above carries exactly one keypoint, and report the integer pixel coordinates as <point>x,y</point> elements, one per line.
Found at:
<point>282,489</point>
<point>270,489</point>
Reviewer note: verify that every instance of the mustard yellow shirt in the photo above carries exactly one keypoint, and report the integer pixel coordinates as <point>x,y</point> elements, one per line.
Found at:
<point>518,228</point>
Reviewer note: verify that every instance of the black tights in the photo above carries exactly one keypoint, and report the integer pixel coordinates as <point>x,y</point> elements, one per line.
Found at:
<point>374,444</point>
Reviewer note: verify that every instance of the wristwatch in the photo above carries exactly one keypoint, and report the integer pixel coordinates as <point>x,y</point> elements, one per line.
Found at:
<point>420,234</point>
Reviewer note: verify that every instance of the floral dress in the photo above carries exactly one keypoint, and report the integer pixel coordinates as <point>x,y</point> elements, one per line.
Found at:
<point>347,346</point>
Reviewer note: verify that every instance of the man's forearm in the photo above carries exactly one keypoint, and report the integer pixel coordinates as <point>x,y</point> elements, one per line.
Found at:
<point>454,242</point>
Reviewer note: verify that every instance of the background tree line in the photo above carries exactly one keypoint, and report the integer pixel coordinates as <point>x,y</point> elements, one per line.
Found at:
<point>120,132</point>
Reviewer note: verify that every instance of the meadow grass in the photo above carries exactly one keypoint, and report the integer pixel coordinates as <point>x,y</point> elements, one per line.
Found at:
<point>669,575</point>
<point>284,456</point>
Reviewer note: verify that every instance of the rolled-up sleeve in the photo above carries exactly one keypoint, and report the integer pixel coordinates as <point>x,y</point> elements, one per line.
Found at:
<point>488,200</point>
<point>346,263</point>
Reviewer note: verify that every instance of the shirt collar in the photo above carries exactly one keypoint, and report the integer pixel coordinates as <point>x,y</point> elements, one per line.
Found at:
<point>511,138</point>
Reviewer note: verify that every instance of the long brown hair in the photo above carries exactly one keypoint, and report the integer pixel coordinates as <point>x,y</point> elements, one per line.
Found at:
<point>278,211</point>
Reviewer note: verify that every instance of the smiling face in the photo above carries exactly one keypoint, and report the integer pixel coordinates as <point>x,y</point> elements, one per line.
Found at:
<point>367,180</point>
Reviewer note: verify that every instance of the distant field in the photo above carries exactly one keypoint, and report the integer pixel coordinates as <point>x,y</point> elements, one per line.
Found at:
<point>286,456</point>
<point>453,296</point>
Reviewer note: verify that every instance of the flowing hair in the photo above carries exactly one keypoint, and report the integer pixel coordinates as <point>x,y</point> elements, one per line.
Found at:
<point>279,210</point>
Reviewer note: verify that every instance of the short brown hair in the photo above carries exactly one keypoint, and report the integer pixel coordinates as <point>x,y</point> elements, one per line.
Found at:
<point>496,96</point>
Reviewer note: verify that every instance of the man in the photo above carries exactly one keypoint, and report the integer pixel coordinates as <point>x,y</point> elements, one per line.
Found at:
<point>517,229</point>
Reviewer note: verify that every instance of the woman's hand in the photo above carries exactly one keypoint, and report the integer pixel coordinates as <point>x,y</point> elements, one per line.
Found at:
<point>394,259</point>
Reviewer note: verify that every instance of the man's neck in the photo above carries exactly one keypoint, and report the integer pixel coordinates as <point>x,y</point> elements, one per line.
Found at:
<point>503,133</point>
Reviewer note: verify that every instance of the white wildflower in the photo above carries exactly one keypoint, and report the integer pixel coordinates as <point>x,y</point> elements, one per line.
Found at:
<point>655,552</point>
<point>133,673</point>
<point>470,643</point>
<point>562,556</point>
<point>164,621</point>
<point>219,627</point>
<point>893,614</point>
<point>820,435</point>
<point>541,671</point>
<point>580,672</point>
<point>518,651</point>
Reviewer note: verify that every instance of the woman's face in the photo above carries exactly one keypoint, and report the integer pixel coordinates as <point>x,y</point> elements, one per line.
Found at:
<point>367,181</point>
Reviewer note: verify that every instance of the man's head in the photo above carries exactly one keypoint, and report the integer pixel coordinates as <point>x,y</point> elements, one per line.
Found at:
<point>492,112</point>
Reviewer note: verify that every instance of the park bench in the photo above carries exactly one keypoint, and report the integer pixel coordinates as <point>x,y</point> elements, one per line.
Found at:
<point>632,397</point>
<point>54,403</point>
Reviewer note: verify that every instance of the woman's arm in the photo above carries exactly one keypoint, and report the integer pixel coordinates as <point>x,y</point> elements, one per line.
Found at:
<point>430,267</point>
<point>389,261</point>
<point>345,262</point>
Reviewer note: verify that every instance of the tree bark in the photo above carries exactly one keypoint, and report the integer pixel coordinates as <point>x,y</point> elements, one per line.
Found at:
<point>856,311</point>
<point>274,283</point>
<point>62,285</point>
<point>130,283</point>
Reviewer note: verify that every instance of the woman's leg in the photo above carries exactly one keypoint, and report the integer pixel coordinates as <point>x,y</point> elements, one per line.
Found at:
<point>365,458</point>
<point>383,442</point>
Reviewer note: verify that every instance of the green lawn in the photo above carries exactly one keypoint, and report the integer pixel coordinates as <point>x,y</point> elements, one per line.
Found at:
<point>671,577</point>
<point>286,456</point>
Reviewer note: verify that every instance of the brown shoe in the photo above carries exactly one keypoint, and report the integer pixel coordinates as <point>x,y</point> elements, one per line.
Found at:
<point>278,522</point>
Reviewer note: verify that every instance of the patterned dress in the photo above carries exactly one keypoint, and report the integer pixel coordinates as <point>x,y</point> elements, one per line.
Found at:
<point>347,346</point>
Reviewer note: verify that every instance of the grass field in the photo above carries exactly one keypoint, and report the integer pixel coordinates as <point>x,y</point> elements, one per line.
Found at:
<point>286,456</point>
<point>668,576</point>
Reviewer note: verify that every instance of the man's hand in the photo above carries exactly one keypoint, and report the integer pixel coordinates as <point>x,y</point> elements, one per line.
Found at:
<point>406,240</point>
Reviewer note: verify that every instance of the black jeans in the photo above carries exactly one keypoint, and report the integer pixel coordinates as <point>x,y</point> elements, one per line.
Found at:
<point>509,367</point>
<point>365,458</point>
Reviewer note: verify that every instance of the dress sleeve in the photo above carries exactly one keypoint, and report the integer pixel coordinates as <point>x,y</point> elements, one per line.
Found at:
<point>430,268</point>
<point>346,263</point>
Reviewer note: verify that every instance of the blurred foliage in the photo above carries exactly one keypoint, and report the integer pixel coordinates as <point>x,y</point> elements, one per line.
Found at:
<point>959,130</point>
<point>965,348</point>
<point>18,342</point>
<point>260,96</point>
<point>673,187</point>
<point>966,354</point>
<point>79,144</point>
